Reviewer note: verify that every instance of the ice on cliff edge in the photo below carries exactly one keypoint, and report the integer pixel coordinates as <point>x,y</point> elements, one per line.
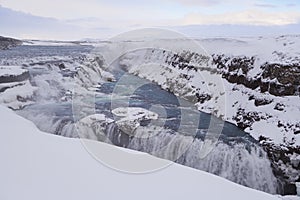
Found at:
<point>36,165</point>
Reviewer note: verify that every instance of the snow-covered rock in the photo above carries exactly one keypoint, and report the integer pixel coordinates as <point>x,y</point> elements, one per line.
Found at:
<point>13,74</point>
<point>131,118</point>
<point>18,95</point>
<point>16,90</point>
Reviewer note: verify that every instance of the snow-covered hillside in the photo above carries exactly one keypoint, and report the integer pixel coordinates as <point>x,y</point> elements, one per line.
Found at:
<point>260,81</point>
<point>36,165</point>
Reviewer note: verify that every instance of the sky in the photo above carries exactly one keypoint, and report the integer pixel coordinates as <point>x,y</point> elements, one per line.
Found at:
<point>164,12</point>
<point>109,14</point>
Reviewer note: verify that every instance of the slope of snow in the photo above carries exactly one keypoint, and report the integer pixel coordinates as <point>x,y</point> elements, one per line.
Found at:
<point>36,165</point>
<point>281,49</point>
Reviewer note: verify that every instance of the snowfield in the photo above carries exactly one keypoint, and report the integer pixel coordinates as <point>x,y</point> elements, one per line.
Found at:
<point>36,165</point>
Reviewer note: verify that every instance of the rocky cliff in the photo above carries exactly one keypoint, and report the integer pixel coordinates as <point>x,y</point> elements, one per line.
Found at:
<point>6,43</point>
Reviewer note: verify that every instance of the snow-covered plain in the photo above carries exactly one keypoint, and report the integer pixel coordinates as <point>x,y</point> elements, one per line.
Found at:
<point>36,165</point>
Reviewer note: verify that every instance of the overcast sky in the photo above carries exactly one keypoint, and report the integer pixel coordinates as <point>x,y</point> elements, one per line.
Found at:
<point>103,18</point>
<point>163,12</point>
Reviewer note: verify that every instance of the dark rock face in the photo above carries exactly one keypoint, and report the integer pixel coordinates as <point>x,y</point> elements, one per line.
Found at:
<point>62,66</point>
<point>258,101</point>
<point>282,164</point>
<point>202,97</point>
<point>287,76</point>
<point>243,63</point>
<point>261,102</point>
<point>279,106</point>
<point>242,79</point>
<point>246,119</point>
<point>184,60</point>
<point>14,78</point>
<point>6,43</point>
<point>289,189</point>
<point>277,79</point>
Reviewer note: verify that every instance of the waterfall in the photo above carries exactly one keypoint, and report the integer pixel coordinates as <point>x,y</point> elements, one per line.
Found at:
<point>239,162</point>
<point>58,125</point>
<point>236,163</point>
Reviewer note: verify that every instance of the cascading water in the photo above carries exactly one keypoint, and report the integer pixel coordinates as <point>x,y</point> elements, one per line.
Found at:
<point>246,164</point>
<point>236,156</point>
<point>51,118</point>
<point>243,163</point>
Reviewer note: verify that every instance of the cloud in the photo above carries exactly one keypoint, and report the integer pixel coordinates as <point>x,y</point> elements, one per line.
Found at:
<point>198,2</point>
<point>249,17</point>
<point>265,5</point>
<point>67,9</point>
<point>291,5</point>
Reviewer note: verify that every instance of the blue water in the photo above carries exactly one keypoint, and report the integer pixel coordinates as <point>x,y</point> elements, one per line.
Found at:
<point>36,51</point>
<point>146,96</point>
<point>150,94</point>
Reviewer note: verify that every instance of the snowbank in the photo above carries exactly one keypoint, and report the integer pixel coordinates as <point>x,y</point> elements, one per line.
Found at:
<point>36,165</point>
<point>11,70</point>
